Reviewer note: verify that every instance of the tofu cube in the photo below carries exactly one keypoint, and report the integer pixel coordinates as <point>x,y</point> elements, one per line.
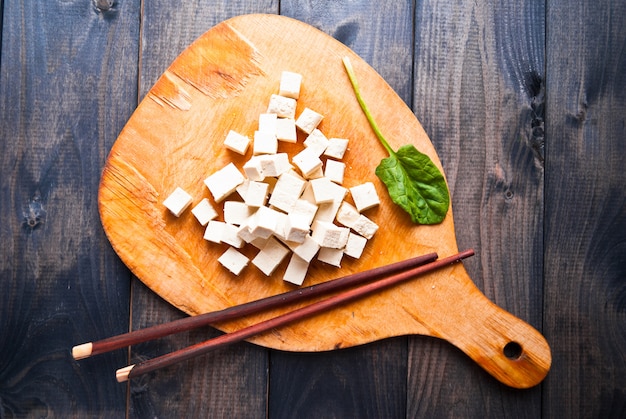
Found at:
<point>265,142</point>
<point>347,215</point>
<point>233,260</point>
<point>252,169</point>
<point>316,174</point>
<point>273,165</point>
<point>296,270</point>
<point>329,235</point>
<point>178,201</point>
<point>308,120</point>
<point>224,182</point>
<point>230,235</point>
<point>236,212</point>
<point>267,122</point>
<point>355,245</point>
<point>296,228</point>
<point>290,83</point>
<point>263,222</point>
<point>286,130</point>
<point>256,194</point>
<point>237,142</point>
<point>304,209</point>
<point>364,196</point>
<point>287,191</point>
<point>334,171</point>
<point>281,225</point>
<point>330,256</point>
<point>336,148</point>
<point>272,254</point>
<point>325,190</point>
<point>328,211</point>
<point>204,212</point>
<point>283,107</point>
<point>307,161</point>
<point>365,227</point>
<point>307,249</point>
<point>317,142</point>
<point>214,231</point>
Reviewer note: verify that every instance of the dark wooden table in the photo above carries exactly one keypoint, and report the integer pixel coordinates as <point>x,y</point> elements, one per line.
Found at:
<point>525,102</point>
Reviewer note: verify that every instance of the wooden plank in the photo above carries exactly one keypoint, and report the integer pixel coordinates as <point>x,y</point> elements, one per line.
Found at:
<point>228,383</point>
<point>479,73</point>
<point>586,213</point>
<point>68,83</point>
<point>367,381</point>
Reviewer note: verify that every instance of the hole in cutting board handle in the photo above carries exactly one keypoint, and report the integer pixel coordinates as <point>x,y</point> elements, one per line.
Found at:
<point>512,350</point>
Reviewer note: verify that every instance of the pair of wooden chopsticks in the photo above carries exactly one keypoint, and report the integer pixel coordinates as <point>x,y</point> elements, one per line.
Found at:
<point>383,277</point>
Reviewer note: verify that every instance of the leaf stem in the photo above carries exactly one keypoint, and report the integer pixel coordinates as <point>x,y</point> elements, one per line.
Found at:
<point>357,92</point>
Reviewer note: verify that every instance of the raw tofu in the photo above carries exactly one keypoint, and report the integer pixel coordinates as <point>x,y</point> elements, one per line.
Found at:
<point>286,130</point>
<point>224,182</point>
<point>336,148</point>
<point>256,194</point>
<point>325,190</point>
<point>307,161</point>
<point>329,235</point>
<point>296,228</point>
<point>265,142</point>
<point>307,249</point>
<point>317,142</point>
<point>296,270</point>
<point>365,227</point>
<point>214,231</point>
<point>267,122</point>
<point>330,256</point>
<point>364,196</point>
<point>355,245</point>
<point>290,83</point>
<point>237,142</point>
<point>233,260</point>
<point>287,191</point>
<point>204,212</point>
<point>266,165</point>
<point>178,201</point>
<point>236,212</point>
<point>347,215</point>
<point>230,235</point>
<point>308,120</point>
<point>334,171</point>
<point>304,209</point>
<point>272,254</point>
<point>263,222</point>
<point>327,211</point>
<point>283,107</point>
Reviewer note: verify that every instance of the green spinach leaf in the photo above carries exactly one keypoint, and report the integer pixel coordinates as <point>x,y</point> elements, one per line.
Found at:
<point>413,181</point>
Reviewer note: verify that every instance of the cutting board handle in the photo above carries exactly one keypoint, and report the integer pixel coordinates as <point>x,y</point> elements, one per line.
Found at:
<point>508,348</point>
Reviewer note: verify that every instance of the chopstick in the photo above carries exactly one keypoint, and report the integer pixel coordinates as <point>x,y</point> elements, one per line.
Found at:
<point>135,370</point>
<point>88,349</point>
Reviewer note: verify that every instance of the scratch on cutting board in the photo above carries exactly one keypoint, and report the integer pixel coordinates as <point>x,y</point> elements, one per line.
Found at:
<point>168,90</point>
<point>218,64</point>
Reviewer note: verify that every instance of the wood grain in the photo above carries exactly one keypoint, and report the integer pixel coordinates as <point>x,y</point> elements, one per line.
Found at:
<point>164,146</point>
<point>366,381</point>
<point>585,302</point>
<point>68,83</point>
<point>65,97</point>
<point>229,383</point>
<point>478,81</point>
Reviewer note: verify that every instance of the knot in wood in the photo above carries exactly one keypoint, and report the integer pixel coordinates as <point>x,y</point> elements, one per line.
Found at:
<point>103,5</point>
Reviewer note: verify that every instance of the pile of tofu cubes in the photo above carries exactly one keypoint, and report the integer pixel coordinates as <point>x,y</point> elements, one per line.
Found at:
<point>284,208</point>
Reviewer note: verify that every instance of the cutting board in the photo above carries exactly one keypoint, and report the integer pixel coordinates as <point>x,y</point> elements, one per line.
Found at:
<point>175,138</point>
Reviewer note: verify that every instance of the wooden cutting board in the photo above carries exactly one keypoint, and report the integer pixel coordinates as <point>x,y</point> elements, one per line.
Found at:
<point>223,81</point>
